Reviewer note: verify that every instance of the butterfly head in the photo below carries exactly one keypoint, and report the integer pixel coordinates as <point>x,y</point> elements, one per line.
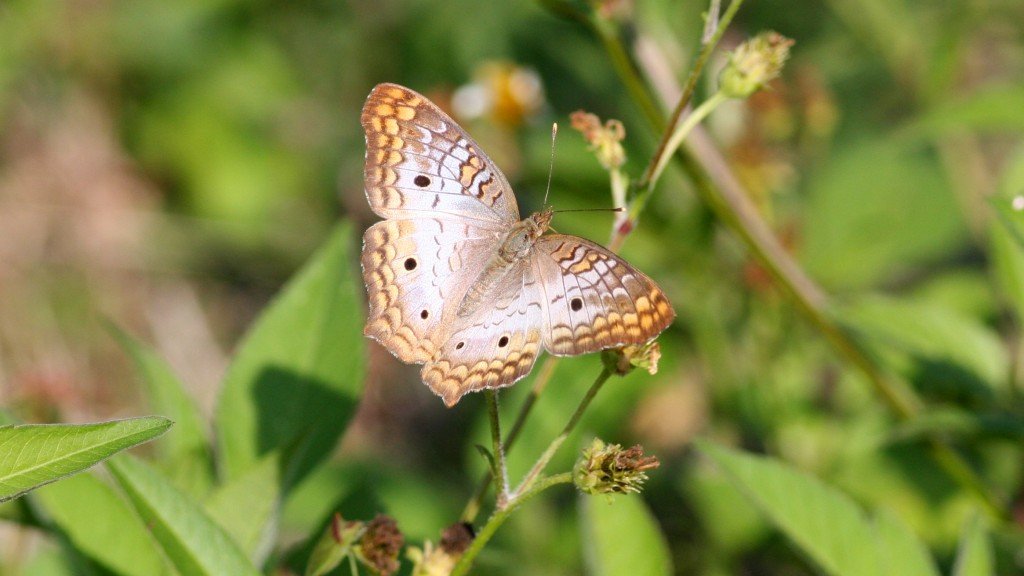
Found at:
<point>520,239</point>
<point>541,221</point>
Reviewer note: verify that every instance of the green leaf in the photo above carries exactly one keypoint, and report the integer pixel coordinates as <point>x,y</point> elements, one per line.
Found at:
<point>960,424</point>
<point>193,542</point>
<point>299,370</point>
<point>900,549</point>
<point>101,525</point>
<point>184,453</point>
<point>1010,216</point>
<point>1007,234</point>
<point>247,507</point>
<point>823,522</point>
<point>862,231</point>
<point>35,454</point>
<point>944,353</point>
<point>334,545</point>
<point>621,536</point>
<point>974,556</point>
<point>996,108</point>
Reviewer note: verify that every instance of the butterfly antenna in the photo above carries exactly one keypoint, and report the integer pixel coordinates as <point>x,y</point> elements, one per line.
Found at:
<point>551,166</point>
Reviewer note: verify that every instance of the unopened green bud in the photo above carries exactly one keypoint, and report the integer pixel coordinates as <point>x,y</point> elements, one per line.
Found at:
<point>754,64</point>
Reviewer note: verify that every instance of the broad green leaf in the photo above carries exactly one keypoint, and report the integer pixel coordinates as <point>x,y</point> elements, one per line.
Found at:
<point>1011,215</point>
<point>299,370</point>
<point>996,108</point>
<point>877,208</point>
<point>193,542</point>
<point>1008,263</point>
<point>944,353</point>
<point>101,525</point>
<point>900,549</point>
<point>621,536</point>
<point>730,529</point>
<point>957,423</point>
<point>247,507</point>
<point>823,522</point>
<point>35,454</point>
<point>1007,233</point>
<point>184,453</point>
<point>974,556</point>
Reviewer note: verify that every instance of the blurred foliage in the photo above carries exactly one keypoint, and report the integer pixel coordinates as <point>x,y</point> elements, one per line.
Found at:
<point>168,165</point>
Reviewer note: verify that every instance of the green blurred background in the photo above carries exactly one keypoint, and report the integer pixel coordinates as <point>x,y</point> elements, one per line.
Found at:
<point>168,165</point>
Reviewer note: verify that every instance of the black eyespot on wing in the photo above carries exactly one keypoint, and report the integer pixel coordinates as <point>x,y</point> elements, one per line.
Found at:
<point>421,181</point>
<point>410,264</point>
<point>503,341</point>
<point>424,314</point>
<point>460,345</point>
<point>576,304</point>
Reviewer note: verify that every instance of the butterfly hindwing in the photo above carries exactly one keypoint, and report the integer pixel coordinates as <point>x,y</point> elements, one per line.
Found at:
<point>593,299</point>
<point>495,345</point>
<point>413,269</point>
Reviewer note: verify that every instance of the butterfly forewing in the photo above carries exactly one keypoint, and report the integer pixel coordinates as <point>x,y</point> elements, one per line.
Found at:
<point>419,162</point>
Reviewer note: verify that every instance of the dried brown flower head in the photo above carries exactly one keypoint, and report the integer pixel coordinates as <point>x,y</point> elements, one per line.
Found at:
<point>380,545</point>
<point>608,469</point>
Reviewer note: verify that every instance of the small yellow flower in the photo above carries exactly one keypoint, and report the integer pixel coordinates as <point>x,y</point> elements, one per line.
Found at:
<point>440,561</point>
<point>754,64</point>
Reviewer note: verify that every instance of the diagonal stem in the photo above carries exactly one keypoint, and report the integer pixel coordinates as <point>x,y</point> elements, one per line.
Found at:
<point>501,481</point>
<point>713,31</point>
<point>498,518</point>
<point>542,462</point>
<point>718,187</point>
<point>472,508</point>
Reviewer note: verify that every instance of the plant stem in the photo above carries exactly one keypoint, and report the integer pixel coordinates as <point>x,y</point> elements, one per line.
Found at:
<point>542,462</point>
<point>713,32</point>
<point>673,144</point>
<point>608,34</point>
<point>719,189</point>
<point>539,384</point>
<point>498,518</point>
<point>500,470</point>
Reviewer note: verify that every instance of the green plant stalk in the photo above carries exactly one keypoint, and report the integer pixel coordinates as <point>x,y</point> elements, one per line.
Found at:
<point>669,149</point>
<point>547,370</point>
<point>623,66</point>
<point>501,481</point>
<point>498,518</point>
<point>542,462</point>
<point>708,44</point>
<point>958,469</point>
<point>734,209</point>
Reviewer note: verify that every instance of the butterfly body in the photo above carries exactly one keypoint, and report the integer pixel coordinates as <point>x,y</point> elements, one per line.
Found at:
<point>515,248</point>
<point>458,283</point>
